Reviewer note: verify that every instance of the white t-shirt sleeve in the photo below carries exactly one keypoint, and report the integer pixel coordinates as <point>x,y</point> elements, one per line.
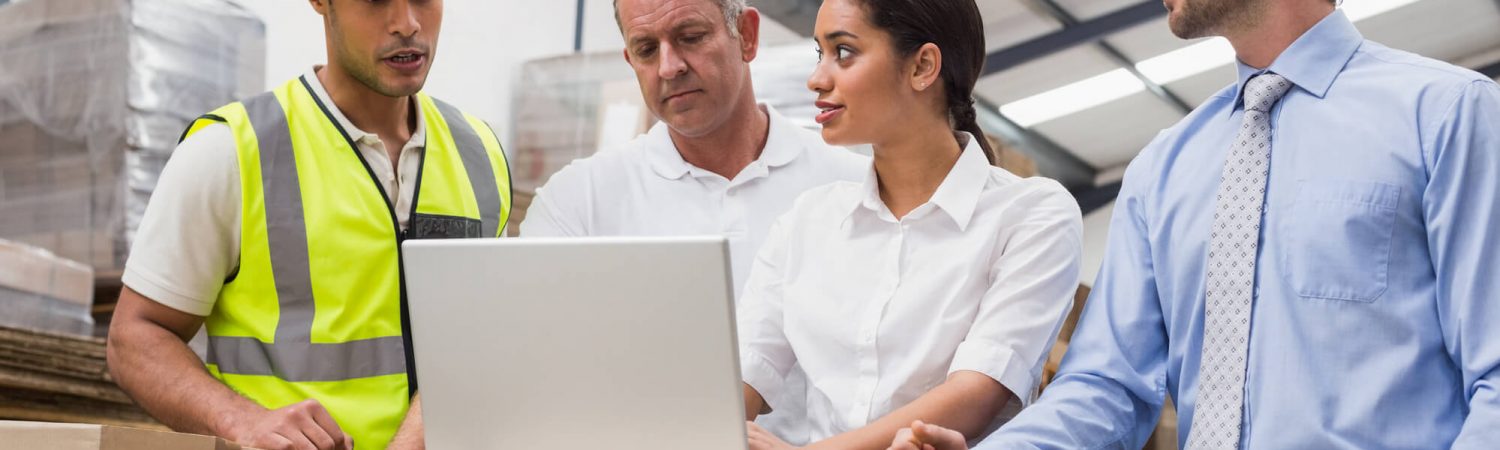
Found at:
<point>766,354</point>
<point>1031,290</point>
<point>188,241</point>
<point>560,208</point>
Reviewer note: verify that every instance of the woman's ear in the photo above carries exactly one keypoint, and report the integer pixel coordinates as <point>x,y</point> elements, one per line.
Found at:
<point>926,67</point>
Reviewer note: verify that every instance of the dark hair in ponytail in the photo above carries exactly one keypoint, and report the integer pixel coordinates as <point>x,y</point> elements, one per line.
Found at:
<point>958,31</point>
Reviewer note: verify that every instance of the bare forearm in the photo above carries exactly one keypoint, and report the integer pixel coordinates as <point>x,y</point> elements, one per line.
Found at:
<point>411,435</point>
<point>967,402</point>
<point>158,370</point>
<point>755,405</point>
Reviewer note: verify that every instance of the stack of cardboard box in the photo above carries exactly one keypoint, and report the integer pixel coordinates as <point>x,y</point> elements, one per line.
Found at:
<point>93,97</point>
<point>61,378</point>
<point>41,291</point>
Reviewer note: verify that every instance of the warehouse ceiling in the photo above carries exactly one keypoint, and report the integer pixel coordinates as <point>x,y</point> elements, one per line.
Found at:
<point>1082,85</point>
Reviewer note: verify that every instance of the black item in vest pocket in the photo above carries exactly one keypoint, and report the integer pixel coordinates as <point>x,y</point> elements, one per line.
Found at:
<point>427,226</point>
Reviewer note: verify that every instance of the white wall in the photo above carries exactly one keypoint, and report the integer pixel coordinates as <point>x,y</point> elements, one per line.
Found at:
<point>483,44</point>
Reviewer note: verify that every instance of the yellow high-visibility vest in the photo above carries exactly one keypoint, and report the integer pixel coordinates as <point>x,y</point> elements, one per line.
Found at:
<point>317,307</point>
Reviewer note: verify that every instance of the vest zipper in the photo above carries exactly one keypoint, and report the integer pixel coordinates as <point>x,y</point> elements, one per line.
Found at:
<point>400,235</point>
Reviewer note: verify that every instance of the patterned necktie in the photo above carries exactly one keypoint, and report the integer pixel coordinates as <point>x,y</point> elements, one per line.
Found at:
<point>1231,272</point>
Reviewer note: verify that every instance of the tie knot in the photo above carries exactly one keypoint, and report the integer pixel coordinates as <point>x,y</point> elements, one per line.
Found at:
<point>1264,90</point>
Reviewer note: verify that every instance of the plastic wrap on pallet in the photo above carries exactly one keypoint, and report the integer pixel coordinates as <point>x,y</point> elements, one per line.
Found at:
<point>32,311</point>
<point>90,117</point>
<point>558,111</point>
<point>569,107</point>
<point>41,291</point>
<point>189,57</point>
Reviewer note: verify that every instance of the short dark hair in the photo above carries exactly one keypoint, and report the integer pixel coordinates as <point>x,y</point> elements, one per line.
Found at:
<point>956,28</point>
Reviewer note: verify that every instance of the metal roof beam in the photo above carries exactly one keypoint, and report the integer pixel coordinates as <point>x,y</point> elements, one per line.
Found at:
<point>1119,58</point>
<point>1492,70</point>
<point>1074,34</point>
<point>796,15</point>
<point>1052,160</point>
<point>1091,199</point>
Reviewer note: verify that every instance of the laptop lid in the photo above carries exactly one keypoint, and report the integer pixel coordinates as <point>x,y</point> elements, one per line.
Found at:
<point>620,343</point>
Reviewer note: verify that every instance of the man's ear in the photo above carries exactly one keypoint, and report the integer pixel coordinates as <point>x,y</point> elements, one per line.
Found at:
<point>321,6</point>
<point>749,27</point>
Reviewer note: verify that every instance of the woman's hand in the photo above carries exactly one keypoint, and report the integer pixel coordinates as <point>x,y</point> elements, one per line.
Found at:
<point>921,436</point>
<point>760,439</point>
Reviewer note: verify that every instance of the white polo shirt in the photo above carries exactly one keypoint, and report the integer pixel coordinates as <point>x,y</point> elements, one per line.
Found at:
<point>880,310</point>
<point>188,242</point>
<point>645,188</point>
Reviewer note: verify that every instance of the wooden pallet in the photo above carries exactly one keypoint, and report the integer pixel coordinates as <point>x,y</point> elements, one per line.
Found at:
<point>61,378</point>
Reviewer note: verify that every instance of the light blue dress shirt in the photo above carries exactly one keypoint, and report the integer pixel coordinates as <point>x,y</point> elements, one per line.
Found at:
<point>1376,319</point>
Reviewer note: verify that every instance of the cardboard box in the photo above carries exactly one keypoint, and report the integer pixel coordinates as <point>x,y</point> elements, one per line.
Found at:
<point>71,436</point>
<point>29,269</point>
<point>88,124</point>
<point>41,291</point>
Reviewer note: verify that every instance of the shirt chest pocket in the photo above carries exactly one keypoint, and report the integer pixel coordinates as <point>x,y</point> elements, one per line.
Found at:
<point>1338,239</point>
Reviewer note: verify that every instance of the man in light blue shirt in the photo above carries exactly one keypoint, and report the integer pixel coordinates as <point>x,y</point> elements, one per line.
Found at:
<point>1373,309</point>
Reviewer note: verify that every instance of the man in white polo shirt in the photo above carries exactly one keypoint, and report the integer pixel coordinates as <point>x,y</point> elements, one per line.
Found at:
<point>718,163</point>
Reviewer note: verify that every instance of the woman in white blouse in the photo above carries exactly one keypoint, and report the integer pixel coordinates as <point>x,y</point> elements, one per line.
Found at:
<point>934,289</point>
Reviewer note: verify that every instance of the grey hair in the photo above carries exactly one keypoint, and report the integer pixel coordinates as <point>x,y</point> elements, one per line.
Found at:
<point>731,9</point>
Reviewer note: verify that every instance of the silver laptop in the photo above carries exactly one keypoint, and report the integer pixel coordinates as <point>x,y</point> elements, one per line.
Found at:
<point>618,343</point>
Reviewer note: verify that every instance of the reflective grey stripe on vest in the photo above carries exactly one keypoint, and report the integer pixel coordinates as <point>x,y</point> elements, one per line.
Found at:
<point>293,356</point>
<point>304,361</point>
<point>477,165</point>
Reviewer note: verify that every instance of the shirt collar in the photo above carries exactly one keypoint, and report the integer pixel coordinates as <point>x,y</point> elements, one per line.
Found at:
<point>782,144</point>
<point>1314,60</point>
<point>782,147</point>
<point>662,153</point>
<point>957,196</point>
<point>869,198</point>
<point>418,136</point>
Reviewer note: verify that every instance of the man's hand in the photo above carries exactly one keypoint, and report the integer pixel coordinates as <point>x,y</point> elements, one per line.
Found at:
<point>760,439</point>
<point>922,436</point>
<point>302,426</point>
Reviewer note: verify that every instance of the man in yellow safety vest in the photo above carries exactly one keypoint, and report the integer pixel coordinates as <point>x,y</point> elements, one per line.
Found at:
<point>277,227</point>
